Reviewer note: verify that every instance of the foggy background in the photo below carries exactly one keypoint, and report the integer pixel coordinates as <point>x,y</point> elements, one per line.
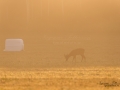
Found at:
<point>52,28</point>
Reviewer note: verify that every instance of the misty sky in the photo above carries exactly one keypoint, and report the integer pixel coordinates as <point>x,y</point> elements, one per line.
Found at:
<point>60,15</point>
<point>61,26</point>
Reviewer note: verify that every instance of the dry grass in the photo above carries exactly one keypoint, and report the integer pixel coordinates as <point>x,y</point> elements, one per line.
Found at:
<point>92,78</point>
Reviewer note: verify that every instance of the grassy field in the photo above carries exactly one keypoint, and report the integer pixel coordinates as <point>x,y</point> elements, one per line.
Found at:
<point>91,78</point>
<point>49,34</point>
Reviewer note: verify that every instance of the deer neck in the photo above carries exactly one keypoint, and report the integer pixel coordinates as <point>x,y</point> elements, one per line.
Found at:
<point>69,55</point>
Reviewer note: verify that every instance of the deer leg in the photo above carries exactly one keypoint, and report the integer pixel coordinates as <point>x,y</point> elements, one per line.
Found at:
<point>83,57</point>
<point>74,58</point>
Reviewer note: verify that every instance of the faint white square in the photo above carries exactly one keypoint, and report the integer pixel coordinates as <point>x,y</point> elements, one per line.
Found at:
<point>14,45</point>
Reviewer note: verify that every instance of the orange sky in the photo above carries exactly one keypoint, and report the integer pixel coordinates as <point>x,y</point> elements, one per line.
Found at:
<point>58,15</point>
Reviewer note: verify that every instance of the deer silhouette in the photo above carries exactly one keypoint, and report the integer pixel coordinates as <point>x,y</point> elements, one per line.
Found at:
<point>74,53</point>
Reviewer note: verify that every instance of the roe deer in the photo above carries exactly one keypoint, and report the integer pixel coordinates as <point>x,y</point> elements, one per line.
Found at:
<point>75,52</point>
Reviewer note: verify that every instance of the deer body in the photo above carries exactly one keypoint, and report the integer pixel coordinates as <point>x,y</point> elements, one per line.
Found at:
<point>74,53</point>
